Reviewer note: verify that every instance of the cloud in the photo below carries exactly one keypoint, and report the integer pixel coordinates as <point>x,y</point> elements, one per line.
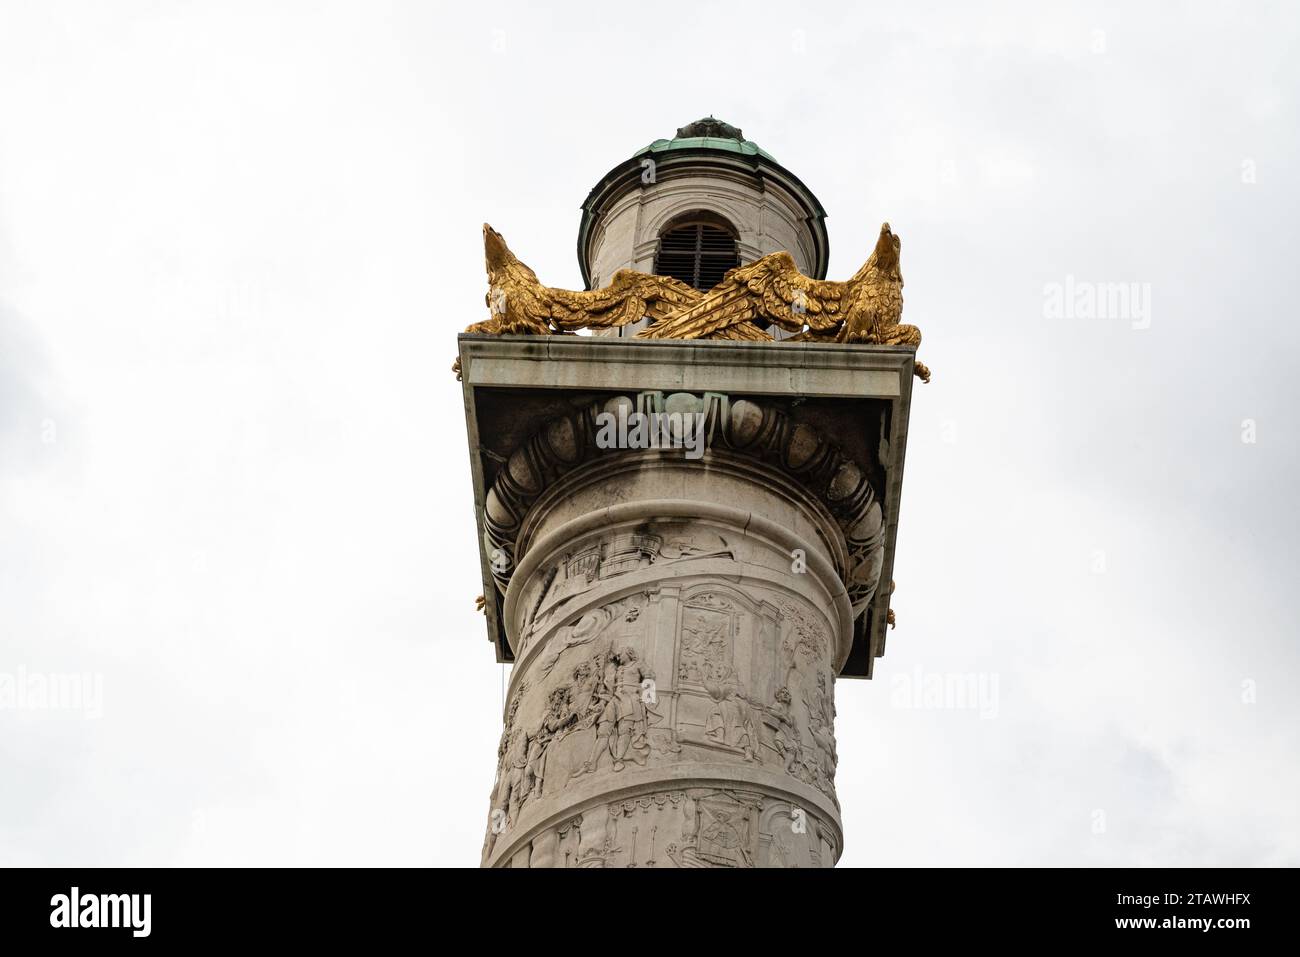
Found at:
<point>238,249</point>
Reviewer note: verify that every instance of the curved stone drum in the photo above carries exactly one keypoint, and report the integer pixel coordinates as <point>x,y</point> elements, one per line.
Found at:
<point>676,624</point>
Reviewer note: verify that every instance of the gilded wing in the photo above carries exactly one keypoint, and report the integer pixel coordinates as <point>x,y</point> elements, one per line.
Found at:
<point>771,288</point>
<point>630,297</point>
<point>519,303</point>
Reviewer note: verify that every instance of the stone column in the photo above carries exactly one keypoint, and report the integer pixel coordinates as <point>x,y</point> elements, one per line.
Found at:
<point>677,624</point>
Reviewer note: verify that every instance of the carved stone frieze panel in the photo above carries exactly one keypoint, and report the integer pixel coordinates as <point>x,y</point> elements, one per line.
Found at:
<point>602,557</point>
<point>736,673</point>
<point>697,827</point>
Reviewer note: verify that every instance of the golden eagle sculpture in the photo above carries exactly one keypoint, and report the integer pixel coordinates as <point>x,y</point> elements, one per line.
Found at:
<point>519,303</point>
<point>866,308</point>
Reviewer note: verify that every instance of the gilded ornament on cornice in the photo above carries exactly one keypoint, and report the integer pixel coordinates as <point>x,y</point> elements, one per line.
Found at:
<point>866,308</point>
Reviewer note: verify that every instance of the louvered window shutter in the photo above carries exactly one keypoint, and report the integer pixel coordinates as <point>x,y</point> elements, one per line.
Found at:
<point>698,254</point>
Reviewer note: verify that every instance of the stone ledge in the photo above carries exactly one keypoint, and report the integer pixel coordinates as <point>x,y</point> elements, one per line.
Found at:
<point>754,368</point>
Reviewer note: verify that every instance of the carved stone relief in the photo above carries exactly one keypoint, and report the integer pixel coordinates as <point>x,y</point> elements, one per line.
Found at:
<point>714,702</point>
<point>803,724</point>
<point>607,557</point>
<point>722,706</point>
<point>587,705</point>
<point>619,710</point>
<point>790,836</point>
<point>692,827</point>
<point>745,679</point>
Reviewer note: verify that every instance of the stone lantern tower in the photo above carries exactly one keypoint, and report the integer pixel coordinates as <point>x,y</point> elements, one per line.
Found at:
<point>684,544</point>
<point>709,187</point>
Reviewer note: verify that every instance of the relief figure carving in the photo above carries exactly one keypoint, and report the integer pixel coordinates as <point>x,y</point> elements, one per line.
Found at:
<point>785,738</point>
<point>721,831</point>
<point>731,722</point>
<point>821,722</point>
<point>624,718</point>
<point>617,554</point>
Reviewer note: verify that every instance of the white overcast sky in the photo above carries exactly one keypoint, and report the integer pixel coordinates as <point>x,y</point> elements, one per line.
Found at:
<point>237,241</point>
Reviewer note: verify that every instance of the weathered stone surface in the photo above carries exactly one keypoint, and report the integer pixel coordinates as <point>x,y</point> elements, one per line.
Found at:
<point>674,675</point>
<point>678,624</point>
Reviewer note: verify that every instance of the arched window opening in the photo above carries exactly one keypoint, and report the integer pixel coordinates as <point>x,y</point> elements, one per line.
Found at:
<point>698,252</point>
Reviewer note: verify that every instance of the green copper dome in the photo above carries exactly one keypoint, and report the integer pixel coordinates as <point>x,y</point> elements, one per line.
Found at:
<point>708,134</point>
